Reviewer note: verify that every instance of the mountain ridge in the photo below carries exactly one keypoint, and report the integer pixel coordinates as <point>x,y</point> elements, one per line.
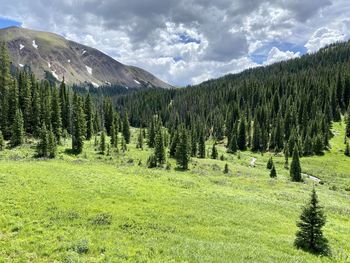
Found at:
<point>51,54</point>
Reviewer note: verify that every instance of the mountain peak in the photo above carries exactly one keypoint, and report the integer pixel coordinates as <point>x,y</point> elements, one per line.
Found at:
<point>49,54</point>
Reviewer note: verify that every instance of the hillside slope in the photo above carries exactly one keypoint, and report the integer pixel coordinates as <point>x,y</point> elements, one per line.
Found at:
<point>51,54</point>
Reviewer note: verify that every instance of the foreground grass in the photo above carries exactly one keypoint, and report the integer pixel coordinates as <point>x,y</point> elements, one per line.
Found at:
<point>93,208</point>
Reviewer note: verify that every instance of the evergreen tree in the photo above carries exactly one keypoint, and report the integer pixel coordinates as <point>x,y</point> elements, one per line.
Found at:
<point>201,145</point>
<point>273,173</point>
<point>241,139</point>
<point>152,161</point>
<point>2,142</point>
<point>295,169</point>
<point>193,144</point>
<point>139,144</point>
<point>114,136</point>
<point>226,169</point>
<point>17,137</point>
<point>52,145</point>
<point>214,152</point>
<point>42,146</point>
<point>270,163</point>
<point>79,128</point>
<point>173,144</point>
<point>103,142</point>
<point>232,147</point>
<point>347,148</point>
<point>318,146</point>
<point>183,150</point>
<point>56,118</point>
<point>309,236</point>
<point>347,129</point>
<point>89,117</point>
<point>308,147</point>
<point>159,150</point>
<point>126,128</point>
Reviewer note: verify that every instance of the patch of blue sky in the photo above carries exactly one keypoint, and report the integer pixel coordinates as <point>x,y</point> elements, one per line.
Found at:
<point>260,55</point>
<point>5,22</point>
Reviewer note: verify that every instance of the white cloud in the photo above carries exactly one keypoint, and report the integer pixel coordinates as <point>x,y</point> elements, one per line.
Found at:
<point>322,37</point>
<point>188,41</point>
<point>276,55</point>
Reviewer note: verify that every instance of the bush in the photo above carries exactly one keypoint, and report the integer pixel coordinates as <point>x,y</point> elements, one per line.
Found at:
<point>101,219</point>
<point>81,247</point>
<point>152,161</point>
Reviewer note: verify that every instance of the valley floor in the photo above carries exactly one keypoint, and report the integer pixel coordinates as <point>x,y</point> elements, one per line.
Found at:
<point>94,208</point>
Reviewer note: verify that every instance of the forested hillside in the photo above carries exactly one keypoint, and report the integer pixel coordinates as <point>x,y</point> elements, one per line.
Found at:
<point>266,108</point>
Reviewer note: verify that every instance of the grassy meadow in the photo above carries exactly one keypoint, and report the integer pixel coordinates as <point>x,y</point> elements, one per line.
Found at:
<point>95,208</point>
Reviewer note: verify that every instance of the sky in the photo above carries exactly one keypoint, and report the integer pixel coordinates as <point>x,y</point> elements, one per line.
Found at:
<point>185,42</point>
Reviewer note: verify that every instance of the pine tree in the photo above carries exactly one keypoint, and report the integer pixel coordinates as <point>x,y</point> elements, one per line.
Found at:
<point>308,147</point>
<point>139,144</point>
<point>318,146</point>
<point>193,144</point>
<point>232,147</point>
<point>103,142</point>
<point>159,150</point>
<point>273,173</point>
<point>241,139</point>
<point>347,148</point>
<point>42,146</point>
<point>201,145</point>
<point>17,137</point>
<point>2,142</point>
<point>79,125</point>
<point>126,128</point>
<point>214,152</point>
<point>56,118</point>
<point>174,143</point>
<point>52,145</point>
<point>114,135</point>
<point>226,169</point>
<point>270,163</point>
<point>309,236</point>
<point>347,129</point>
<point>295,169</point>
<point>89,117</point>
<point>183,150</point>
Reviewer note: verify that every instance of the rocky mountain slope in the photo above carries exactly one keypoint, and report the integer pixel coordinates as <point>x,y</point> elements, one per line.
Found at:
<point>52,55</point>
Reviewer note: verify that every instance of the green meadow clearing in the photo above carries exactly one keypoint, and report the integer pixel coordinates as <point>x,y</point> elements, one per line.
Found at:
<point>95,208</point>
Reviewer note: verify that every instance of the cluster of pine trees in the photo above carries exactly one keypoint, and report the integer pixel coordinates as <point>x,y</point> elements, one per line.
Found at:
<point>29,108</point>
<point>270,108</point>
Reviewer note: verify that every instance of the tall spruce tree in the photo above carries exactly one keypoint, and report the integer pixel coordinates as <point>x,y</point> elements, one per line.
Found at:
<point>309,236</point>
<point>139,144</point>
<point>126,128</point>
<point>242,136</point>
<point>79,125</point>
<point>17,137</point>
<point>214,152</point>
<point>159,150</point>
<point>295,169</point>
<point>56,118</point>
<point>2,142</point>
<point>42,148</point>
<point>183,149</point>
<point>201,145</point>
<point>103,142</point>
<point>89,117</point>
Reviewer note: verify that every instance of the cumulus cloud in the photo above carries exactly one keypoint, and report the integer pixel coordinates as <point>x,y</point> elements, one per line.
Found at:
<point>276,55</point>
<point>322,37</point>
<point>186,41</point>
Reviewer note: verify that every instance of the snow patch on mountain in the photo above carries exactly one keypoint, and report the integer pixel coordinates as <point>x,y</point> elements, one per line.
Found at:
<point>35,45</point>
<point>21,65</point>
<point>89,70</point>
<point>21,46</point>
<point>137,82</point>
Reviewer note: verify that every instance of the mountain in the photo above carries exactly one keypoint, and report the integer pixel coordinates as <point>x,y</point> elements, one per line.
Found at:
<point>51,55</point>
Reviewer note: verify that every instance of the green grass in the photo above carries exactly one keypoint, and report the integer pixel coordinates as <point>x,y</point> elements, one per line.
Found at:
<point>94,208</point>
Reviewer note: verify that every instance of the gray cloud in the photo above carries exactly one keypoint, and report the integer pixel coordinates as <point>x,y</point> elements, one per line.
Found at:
<point>217,36</point>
